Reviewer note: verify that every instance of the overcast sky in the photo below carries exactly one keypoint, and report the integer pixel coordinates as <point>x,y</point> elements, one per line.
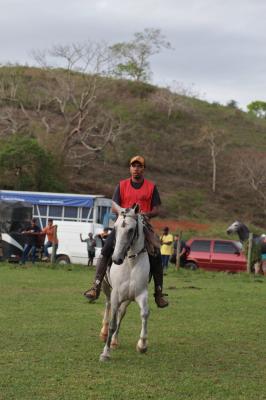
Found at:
<point>219,45</point>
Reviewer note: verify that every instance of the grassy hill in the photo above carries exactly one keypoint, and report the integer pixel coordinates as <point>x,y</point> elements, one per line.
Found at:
<point>172,131</point>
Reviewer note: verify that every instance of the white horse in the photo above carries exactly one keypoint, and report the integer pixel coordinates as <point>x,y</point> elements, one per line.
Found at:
<point>243,234</point>
<point>128,277</point>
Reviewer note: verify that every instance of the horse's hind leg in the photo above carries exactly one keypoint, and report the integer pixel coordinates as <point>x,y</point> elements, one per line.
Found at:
<point>120,315</point>
<point>142,300</point>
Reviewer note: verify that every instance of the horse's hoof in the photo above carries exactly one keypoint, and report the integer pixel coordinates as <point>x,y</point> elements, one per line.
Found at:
<point>114,344</point>
<point>142,350</point>
<point>103,337</point>
<point>104,358</point>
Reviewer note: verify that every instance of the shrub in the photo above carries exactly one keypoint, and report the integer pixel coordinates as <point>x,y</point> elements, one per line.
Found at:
<point>25,165</point>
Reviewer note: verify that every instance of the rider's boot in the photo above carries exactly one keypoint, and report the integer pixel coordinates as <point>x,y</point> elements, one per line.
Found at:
<point>159,298</point>
<point>157,273</point>
<point>94,292</point>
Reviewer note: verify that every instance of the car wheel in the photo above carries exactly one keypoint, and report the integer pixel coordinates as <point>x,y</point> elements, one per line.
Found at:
<point>191,265</point>
<point>62,260</point>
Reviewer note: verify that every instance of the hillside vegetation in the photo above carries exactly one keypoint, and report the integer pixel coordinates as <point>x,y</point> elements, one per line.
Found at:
<point>90,126</point>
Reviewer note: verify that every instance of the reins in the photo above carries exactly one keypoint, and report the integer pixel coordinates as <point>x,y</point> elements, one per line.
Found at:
<point>137,254</point>
<point>136,235</point>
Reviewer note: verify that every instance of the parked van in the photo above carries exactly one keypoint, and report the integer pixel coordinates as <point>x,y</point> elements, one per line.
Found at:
<point>70,248</point>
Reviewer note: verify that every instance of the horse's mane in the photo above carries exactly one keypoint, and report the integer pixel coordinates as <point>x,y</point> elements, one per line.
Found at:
<point>243,231</point>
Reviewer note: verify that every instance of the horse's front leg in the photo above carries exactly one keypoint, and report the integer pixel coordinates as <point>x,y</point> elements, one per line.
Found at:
<point>105,356</point>
<point>105,322</point>
<point>120,315</point>
<point>106,316</point>
<point>142,300</point>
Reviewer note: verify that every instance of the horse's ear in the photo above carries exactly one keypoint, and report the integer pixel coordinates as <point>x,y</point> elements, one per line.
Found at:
<point>136,208</point>
<point>116,208</point>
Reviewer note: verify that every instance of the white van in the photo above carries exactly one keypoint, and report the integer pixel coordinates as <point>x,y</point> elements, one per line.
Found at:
<point>70,248</point>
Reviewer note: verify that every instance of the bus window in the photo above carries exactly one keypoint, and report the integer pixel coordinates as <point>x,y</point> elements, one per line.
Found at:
<point>87,214</point>
<point>55,211</point>
<point>70,213</point>
<point>42,210</point>
<point>102,210</point>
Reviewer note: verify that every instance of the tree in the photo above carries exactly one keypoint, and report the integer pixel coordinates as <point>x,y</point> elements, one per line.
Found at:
<point>25,165</point>
<point>216,143</point>
<point>82,125</point>
<point>232,104</point>
<point>257,108</point>
<point>131,59</point>
<point>173,98</point>
<point>250,174</point>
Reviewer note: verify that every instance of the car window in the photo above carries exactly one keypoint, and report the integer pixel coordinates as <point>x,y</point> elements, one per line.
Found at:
<point>224,247</point>
<point>200,245</point>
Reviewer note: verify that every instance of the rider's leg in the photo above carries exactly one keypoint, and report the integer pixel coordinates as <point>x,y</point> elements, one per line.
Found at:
<point>157,273</point>
<point>101,267</point>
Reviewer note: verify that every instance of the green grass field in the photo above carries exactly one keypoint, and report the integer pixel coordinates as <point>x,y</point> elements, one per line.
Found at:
<point>209,344</point>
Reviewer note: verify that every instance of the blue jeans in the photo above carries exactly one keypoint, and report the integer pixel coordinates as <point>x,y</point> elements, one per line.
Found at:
<point>165,261</point>
<point>47,245</point>
<point>27,249</point>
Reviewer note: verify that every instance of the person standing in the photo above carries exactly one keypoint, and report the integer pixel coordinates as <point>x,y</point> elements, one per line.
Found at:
<point>133,190</point>
<point>31,240</point>
<point>91,244</point>
<point>50,231</point>
<point>184,250</point>
<point>166,247</point>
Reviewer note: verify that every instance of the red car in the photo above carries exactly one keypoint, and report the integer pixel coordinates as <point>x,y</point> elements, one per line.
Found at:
<point>216,255</point>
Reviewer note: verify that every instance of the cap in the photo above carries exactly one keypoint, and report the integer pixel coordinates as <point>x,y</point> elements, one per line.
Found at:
<point>138,159</point>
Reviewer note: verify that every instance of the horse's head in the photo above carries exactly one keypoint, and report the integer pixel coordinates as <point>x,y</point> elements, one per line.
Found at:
<point>239,228</point>
<point>233,228</point>
<point>126,230</point>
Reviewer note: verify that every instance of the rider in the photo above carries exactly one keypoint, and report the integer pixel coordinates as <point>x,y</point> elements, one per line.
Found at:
<point>130,191</point>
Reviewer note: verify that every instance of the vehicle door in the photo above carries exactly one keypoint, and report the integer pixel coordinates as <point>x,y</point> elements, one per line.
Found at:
<point>226,256</point>
<point>200,252</point>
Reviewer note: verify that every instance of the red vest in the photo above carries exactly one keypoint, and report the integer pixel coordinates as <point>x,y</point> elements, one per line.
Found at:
<point>141,196</point>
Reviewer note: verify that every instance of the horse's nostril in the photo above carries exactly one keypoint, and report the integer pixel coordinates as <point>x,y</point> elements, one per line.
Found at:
<point>118,261</point>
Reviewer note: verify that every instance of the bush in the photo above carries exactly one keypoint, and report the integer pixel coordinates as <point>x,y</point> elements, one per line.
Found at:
<point>25,165</point>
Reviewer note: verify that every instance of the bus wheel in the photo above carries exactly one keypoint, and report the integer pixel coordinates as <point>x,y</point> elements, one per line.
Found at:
<point>62,260</point>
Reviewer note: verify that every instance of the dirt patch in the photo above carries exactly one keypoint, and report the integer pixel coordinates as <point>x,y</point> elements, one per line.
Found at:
<point>177,226</point>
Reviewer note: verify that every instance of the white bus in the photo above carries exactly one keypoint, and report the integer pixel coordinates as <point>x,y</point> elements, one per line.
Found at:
<point>74,214</point>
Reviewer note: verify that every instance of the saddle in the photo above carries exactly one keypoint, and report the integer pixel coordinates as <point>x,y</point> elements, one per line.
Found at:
<point>152,240</point>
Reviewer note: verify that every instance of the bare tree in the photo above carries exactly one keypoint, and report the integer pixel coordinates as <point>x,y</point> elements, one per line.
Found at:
<point>167,101</point>
<point>249,173</point>
<point>87,128</point>
<point>9,84</point>
<point>216,142</point>
<point>66,103</point>
<point>175,97</point>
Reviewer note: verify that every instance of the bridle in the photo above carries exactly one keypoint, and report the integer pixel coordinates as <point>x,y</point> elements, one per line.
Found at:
<point>135,235</point>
